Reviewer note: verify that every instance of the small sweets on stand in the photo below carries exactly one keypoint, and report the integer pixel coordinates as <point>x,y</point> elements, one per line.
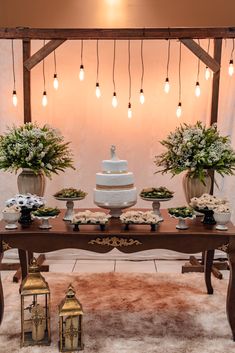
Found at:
<point>45,214</point>
<point>90,218</point>
<point>206,204</point>
<point>11,215</point>
<point>70,195</point>
<point>181,213</point>
<point>222,215</point>
<point>140,218</point>
<point>156,195</point>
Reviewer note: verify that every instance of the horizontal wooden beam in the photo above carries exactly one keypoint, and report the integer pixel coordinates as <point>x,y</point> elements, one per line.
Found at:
<point>116,33</point>
<point>42,53</point>
<point>201,54</point>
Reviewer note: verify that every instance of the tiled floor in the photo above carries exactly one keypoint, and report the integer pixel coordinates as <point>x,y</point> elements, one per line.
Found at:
<point>149,266</point>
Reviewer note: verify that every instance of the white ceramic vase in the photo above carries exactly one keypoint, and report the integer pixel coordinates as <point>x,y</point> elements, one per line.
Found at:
<point>29,182</point>
<point>11,219</point>
<point>221,220</point>
<point>193,187</point>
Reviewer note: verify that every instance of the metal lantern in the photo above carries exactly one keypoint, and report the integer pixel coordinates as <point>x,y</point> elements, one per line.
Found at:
<point>70,323</point>
<point>35,308</point>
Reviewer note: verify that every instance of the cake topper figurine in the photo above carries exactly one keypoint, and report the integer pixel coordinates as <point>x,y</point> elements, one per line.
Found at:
<point>113,152</point>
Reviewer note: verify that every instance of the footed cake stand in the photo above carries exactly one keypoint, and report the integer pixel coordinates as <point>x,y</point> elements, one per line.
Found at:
<point>156,205</point>
<point>115,210</point>
<point>70,206</point>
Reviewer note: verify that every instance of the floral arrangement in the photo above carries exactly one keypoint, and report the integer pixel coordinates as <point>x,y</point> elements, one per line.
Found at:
<point>181,212</point>
<point>70,193</point>
<point>139,217</point>
<point>196,148</point>
<point>36,148</point>
<point>28,201</point>
<point>88,217</point>
<point>156,193</point>
<point>209,202</point>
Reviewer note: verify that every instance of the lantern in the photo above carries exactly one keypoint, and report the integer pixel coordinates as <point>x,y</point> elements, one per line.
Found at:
<point>70,323</point>
<point>35,308</point>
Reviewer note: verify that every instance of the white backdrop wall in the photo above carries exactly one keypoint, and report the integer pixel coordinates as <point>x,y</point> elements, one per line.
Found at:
<point>92,125</point>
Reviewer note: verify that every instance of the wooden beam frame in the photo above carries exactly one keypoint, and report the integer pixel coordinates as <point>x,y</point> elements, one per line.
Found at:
<point>116,33</point>
<point>201,54</point>
<point>42,53</point>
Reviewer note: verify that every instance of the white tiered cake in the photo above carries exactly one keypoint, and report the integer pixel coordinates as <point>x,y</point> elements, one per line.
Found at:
<point>115,185</point>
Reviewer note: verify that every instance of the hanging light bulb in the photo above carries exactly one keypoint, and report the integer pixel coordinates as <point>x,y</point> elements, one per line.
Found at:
<point>55,82</point>
<point>167,85</point>
<point>179,110</point>
<point>44,99</point>
<point>114,100</point>
<point>231,68</point>
<point>207,73</point>
<point>14,98</point>
<point>129,112</point>
<point>179,107</point>
<point>14,95</point>
<point>97,90</point>
<point>197,89</point>
<point>142,99</point>
<point>81,73</point>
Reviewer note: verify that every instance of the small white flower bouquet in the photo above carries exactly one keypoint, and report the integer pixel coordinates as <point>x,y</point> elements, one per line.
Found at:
<point>27,201</point>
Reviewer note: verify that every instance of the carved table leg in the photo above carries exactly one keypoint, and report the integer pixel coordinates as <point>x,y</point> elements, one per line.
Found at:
<point>23,262</point>
<point>208,263</point>
<point>231,293</point>
<point>1,294</point>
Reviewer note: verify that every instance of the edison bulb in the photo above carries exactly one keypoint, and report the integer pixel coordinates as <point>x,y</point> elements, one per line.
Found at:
<point>197,89</point>
<point>142,98</point>
<point>44,99</point>
<point>14,98</point>
<point>97,90</point>
<point>231,68</point>
<point>55,82</point>
<point>166,86</point>
<point>114,100</point>
<point>207,73</point>
<point>179,110</point>
<point>129,112</point>
<point>81,73</point>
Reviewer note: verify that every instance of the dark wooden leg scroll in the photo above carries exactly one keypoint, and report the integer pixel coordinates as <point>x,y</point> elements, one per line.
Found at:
<point>1,294</point>
<point>208,263</point>
<point>231,293</point>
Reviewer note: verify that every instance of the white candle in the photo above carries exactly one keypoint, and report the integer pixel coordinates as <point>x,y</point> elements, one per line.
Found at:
<point>38,323</point>
<point>71,333</point>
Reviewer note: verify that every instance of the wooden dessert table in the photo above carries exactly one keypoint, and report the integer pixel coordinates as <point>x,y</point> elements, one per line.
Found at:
<point>197,238</point>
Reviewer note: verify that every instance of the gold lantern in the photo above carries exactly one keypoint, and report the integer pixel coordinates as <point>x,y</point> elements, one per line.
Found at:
<point>35,308</point>
<point>70,323</point>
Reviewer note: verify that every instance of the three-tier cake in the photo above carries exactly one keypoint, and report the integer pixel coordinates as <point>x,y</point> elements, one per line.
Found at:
<point>115,185</point>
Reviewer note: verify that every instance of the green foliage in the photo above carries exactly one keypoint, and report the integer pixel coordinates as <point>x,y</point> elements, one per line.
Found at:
<point>36,148</point>
<point>196,148</point>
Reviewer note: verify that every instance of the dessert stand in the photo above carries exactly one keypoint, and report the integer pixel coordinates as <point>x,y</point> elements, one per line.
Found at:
<point>156,205</point>
<point>45,221</point>
<point>115,210</point>
<point>69,206</point>
<point>181,221</point>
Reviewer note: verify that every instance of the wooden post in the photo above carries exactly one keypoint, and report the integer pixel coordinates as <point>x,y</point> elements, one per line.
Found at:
<point>215,93</point>
<point>216,82</point>
<point>26,82</point>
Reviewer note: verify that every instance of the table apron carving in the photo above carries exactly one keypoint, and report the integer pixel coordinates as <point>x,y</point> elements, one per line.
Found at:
<point>115,242</point>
